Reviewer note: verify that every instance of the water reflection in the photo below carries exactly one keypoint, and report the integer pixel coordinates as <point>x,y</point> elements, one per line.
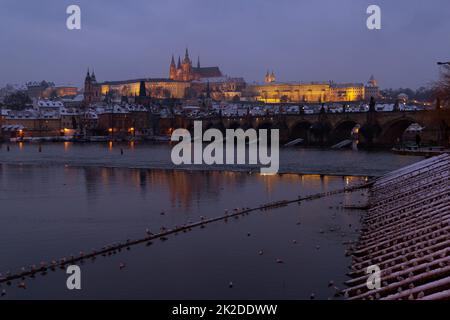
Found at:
<point>185,188</point>
<point>142,155</point>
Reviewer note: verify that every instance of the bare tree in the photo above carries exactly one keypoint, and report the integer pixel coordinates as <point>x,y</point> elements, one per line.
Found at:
<point>442,87</point>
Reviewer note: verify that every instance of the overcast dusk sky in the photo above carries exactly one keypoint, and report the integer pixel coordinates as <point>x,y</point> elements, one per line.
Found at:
<point>301,40</point>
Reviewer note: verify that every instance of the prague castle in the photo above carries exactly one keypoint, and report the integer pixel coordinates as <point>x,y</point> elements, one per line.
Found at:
<point>177,86</point>
<point>188,82</point>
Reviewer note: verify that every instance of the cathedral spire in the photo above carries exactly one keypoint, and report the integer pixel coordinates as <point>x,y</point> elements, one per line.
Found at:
<point>172,69</point>
<point>186,56</point>
<point>198,62</point>
<point>179,63</point>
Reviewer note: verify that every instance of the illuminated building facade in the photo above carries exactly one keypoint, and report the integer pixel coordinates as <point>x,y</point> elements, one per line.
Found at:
<point>60,92</point>
<point>127,120</point>
<point>275,92</point>
<point>156,88</point>
<point>346,92</point>
<point>218,88</point>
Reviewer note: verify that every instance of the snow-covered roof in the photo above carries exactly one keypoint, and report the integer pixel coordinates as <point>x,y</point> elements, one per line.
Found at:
<point>32,114</point>
<point>49,104</point>
<point>91,115</point>
<point>135,107</point>
<point>77,98</point>
<point>69,111</point>
<point>12,127</point>
<point>111,109</point>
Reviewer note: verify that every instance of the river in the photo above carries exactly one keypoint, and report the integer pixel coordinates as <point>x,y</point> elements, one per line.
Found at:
<point>61,199</point>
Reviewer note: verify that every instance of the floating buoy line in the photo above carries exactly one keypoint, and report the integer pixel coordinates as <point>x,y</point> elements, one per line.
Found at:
<point>107,250</point>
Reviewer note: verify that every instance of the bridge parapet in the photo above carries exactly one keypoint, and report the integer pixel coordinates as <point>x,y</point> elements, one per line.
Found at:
<point>436,124</point>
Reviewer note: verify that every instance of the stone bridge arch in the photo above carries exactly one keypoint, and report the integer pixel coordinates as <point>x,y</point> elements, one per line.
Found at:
<point>264,125</point>
<point>393,130</point>
<point>343,130</point>
<point>283,130</point>
<point>300,130</point>
<point>320,132</point>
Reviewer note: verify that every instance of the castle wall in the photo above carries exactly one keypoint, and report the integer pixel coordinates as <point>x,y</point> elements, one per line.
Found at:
<point>156,89</point>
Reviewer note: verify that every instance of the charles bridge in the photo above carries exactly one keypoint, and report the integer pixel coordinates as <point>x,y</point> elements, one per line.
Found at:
<point>375,128</point>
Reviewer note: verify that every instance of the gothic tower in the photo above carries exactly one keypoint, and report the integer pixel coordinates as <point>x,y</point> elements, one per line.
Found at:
<point>179,71</point>
<point>88,88</point>
<point>173,69</point>
<point>186,67</point>
<point>91,88</point>
<point>270,77</point>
